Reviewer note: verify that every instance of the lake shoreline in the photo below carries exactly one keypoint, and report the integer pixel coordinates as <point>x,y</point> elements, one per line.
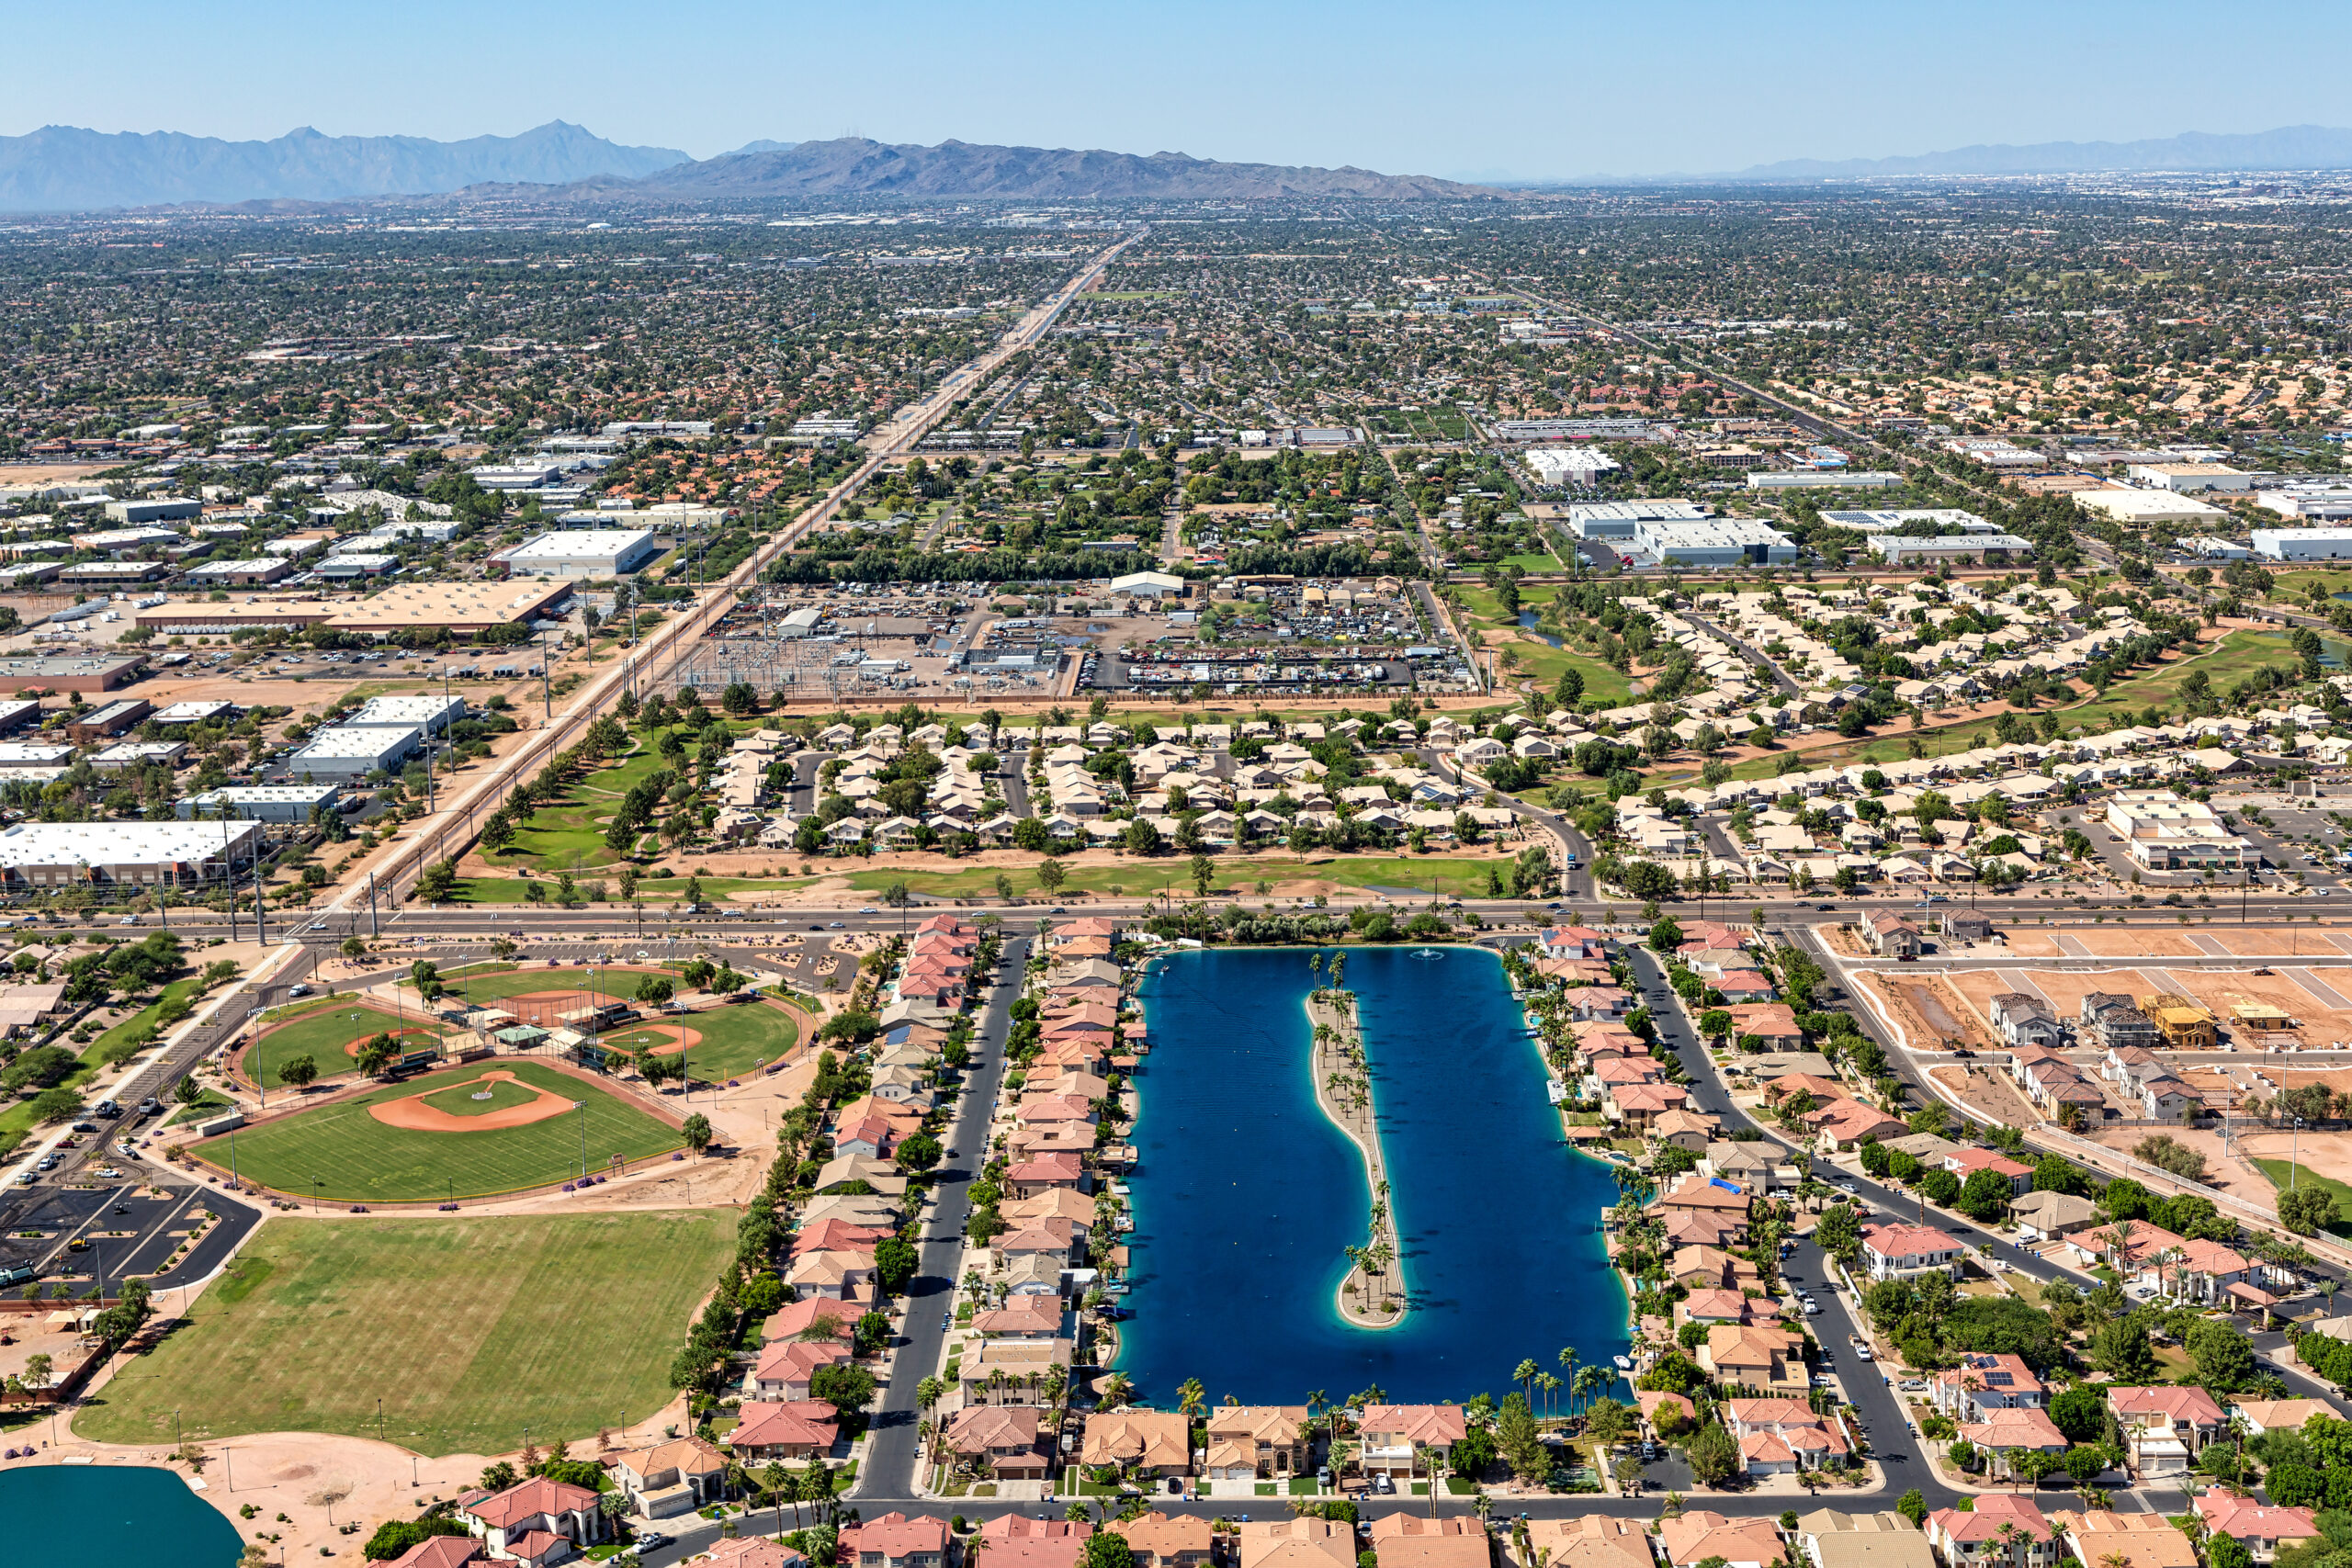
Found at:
<point>1336,1011</point>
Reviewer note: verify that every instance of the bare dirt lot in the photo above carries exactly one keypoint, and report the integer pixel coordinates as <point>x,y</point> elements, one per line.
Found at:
<point>1932,1013</point>
<point>1988,1091</point>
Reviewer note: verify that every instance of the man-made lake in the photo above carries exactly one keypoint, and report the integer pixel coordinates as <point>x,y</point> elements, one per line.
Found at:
<point>99,1516</point>
<point>1245,1192</point>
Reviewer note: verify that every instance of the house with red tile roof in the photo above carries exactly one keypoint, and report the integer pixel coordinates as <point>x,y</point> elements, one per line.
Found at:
<point>441,1551</point>
<point>1845,1123</point>
<point>535,1521</point>
<point>2261,1527</point>
<point>1031,1176</point>
<point>1904,1252</point>
<point>751,1552</point>
<point>1781,1435</point>
<point>1166,1540</point>
<point>896,1541</point>
<point>2165,1427</point>
<point>673,1477</point>
<point>2004,1433</point>
<point>1713,1306</point>
<point>786,1366</point>
<point>794,1428</point>
<point>2002,1531</point>
<point>2204,1271</point>
<point>795,1318</point>
<point>1000,1441</point>
<point>2125,1540</point>
<point>1965,1163</point>
<point>1691,1538</point>
<point>1022,1317</point>
<point>1406,1439</point>
<point>1986,1381</point>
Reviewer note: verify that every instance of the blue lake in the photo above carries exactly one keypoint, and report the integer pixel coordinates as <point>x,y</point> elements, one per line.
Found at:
<point>103,1515</point>
<point>1245,1193</point>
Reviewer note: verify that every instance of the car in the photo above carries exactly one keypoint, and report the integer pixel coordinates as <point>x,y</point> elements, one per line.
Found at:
<point>816,925</point>
<point>128,920</point>
<point>1382,1484</point>
<point>649,1540</point>
<point>86,1126</point>
<point>26,1178</point>
<point>1812,1309</point>
<point>834,926</point>
<point>297,990</point>
<point>869,910</point>
<point>107,1108</point>
<point>111,1174</point>
<point>149,1106</point>
<point>1864,1352</point>
<point>1057,909</point>
<point>946,1321</point>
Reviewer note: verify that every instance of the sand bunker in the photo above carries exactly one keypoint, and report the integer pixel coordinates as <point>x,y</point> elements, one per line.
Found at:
<point>413,1115</point>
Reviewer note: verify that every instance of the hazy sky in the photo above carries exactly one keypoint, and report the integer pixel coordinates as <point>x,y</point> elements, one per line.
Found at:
<point>1465,88</point>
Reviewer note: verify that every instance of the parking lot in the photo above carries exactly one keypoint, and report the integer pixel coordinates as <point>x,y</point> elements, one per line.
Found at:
<point>124,1228</point>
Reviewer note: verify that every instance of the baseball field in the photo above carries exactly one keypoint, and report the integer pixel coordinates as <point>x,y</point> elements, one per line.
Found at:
<point>327,1033</point>
<point>720,1043</point>
<point>468,1329</point>
<point>409,1140</point>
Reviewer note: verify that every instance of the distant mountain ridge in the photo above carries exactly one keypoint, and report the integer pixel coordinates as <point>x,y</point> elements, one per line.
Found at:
<point>62,168</point>
<point>854,165</point>
<point>2290,147</point>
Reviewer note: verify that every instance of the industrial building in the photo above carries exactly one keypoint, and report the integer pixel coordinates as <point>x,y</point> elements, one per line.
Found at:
<point>1149,585</point>
<point>2297,544</point>
<point>586,552</point>
<point>105,723</point>
<point>2187,478</point>
<point>1569,466</point>
<point>246,573</point>
<point>67,672</point>
<point>1820,479</point>
<point>2162,831</point>
<point>2310,503</point>
<point>198,713</point>
<point>432,716</point>
<point>1618,519</point>
<point>1723,541</point>
<point>262,803</point>
<point>2143,507</point>
<point>73,854</point>
<point>800,623</point>
<point>1988,547</point>
<point>154,509</point>
<point>344,754</point>
<point>125,755</point>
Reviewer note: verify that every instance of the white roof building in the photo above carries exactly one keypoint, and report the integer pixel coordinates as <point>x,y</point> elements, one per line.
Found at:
<point>582,552</point>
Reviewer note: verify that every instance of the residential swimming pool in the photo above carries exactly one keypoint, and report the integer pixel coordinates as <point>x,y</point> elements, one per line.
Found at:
<point>75,1514</point>
<point>1245,1193</point>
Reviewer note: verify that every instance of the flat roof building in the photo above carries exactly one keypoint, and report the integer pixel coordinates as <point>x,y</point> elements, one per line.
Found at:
<point>2162,831</point>
<point>1149,585</point>
<point>432,715</point>
<point>72,855</point>
<point>127,754</point>
<point>261,803</point>
<point>1987,548</point>
<point>122,541</point>
<point>1618,519</point>
<point>2303,544</point>
<point>67,672</point>
<point>1569,465</point>
<point>2187,479</point>
<point>154,509</point>
<point>198,713</point>
<point>1820,479</point>
<point>345,754</point>
<point>243,573</point>
<point>2143,507</point>
<point>1723,541</point>
<point>2311,503</point>
<point>582,552</point>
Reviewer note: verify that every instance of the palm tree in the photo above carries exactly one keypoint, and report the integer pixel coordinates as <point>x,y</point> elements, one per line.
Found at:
<point>1117,1391</point>
<point>1524,1374</point>
<point>1191,1399</point>
<point>1568,1360</point>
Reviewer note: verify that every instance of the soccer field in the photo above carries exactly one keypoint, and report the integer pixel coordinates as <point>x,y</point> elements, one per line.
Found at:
<point>341,1153</point>
<point>468,1329</point>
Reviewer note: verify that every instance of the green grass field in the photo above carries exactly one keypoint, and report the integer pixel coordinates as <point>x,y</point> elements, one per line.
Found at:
<point>468,1329</point>
<point>736,1039</point>
<point>354,1158</point>
<point>119,1043</point>
<point>1234,876</point>
<point>1537,658</point>
<point>325,1034</point>
<point>2278,1170</point>
<point>489,990</point>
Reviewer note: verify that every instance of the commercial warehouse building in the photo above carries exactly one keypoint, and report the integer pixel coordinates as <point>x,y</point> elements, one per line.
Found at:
<point>583,552</point>
<point>2142,507</point>
<point>154,509</point>
<point>1913,520</point>
<point>1572,467</point>
<point>1820,479</point>
<point>1985,548</point>
<point>2311,503</point>
<point>461,609</point>
<point>75,854</point>
<point>2187,479</point>
<point>428,715</point>
<point>1618,519</point>
<point>64,672</point>
<point>1723,541</point>
<point>345,754</point>
<point>262,803</point>
<point>2303,544</point>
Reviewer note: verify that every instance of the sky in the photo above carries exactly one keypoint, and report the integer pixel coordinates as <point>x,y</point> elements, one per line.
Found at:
<point>1462,89</point>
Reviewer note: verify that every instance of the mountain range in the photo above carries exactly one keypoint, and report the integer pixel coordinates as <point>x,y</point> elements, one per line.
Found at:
<point>2290,147</point>
<point>61,168</point>
<point>853,165</point>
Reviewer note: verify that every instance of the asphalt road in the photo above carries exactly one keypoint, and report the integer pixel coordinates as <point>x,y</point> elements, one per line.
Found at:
<point>893,1452</point>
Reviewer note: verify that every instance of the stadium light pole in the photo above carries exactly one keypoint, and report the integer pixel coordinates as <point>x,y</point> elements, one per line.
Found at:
<point>582,1107</point>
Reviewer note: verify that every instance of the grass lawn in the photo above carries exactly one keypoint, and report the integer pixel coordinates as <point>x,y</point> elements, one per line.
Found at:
<point>2277,1170</point>
<point>736,1038</point>
<point>205,1104</point>
<point>468,1329</point>
<point>354,1158</point>
<point>654,889</point>
<point>325,1035</point>
<point>1537,658</point>
<point>120,1043</point>
<point>487,990</point>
